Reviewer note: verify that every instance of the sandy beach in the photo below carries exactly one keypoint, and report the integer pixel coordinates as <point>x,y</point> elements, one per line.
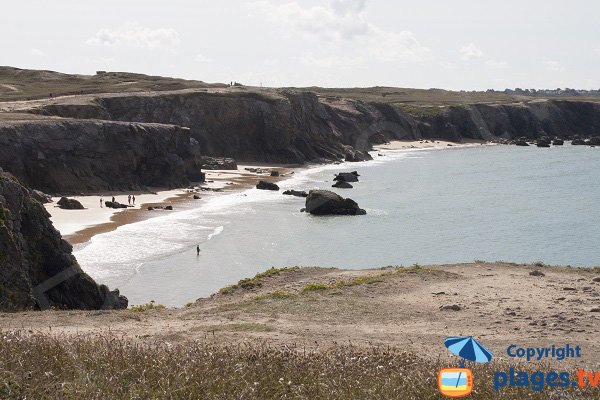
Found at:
<point>423,144</point>
<point>79,226</point>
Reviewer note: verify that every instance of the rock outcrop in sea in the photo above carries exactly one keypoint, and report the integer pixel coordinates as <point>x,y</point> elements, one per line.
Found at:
<point>37,269</point>
<point>325,202</point>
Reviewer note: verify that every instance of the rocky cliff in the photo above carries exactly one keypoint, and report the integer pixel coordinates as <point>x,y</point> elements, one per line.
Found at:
<point>73,156</point>
<point>37,269</point>
<point>295,126</point>
<point>128,141</point>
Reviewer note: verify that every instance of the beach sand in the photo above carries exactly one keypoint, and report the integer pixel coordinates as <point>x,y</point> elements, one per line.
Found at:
<point>424,144</point>
<point>79,226</point>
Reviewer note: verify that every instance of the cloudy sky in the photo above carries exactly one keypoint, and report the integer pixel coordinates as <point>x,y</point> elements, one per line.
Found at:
<point>458,44</point>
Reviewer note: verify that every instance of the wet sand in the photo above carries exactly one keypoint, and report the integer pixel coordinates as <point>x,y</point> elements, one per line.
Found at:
<point>79,226</point>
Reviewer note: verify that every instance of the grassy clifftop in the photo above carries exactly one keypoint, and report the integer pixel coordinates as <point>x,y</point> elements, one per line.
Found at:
<point>25,84</point>
<point>311,333</point>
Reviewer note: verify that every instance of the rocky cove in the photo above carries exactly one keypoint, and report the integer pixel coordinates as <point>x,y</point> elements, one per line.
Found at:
<point>93,143</point>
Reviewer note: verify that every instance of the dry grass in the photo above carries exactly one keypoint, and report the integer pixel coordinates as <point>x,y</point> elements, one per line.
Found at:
<point>43,367</point>
<point>23,84</point>
<point>255,281</point>
<point>407,97</point>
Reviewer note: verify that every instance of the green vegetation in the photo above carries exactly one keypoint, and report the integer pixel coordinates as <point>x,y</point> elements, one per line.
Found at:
<point>361,280</point>
<point>146,307</point>
<point>278,294</point>
<point>422,111</point>
<point>249,283</point>
<point>314,286</point>
<point>4,212</point>
<point>43,367</point>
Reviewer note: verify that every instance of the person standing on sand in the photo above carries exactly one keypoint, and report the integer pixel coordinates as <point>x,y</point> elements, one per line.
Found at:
<point>198,250</point>
<point>101,201</point>
<point>133,198</point>
<point>113,199</point>
<point>129,199</point>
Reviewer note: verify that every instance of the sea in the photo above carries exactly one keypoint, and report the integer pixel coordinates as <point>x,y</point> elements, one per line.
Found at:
<point>425,206</point>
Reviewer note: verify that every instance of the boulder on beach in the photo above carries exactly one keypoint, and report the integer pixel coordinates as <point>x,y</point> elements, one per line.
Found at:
<point>558,142</point>
<point>544,141</point>
<point>325,202</point>
<point>41,196</point>
<point>70,204</point>
<point>114,204</point>
<point>274,173</point>
<point>264,185</point>
<point>296,193</point>
<point>169,208</point>
<point>378,138</point>
<point>522,141</point>
<point>347,176</point>
<point>577,141</point>
<point>342,185</point>
<point>595,141</point>
<point>357,156</point>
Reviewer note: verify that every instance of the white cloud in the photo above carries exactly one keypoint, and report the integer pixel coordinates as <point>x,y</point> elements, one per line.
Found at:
<point>470,51</point>
<point>496,64</point>
<point>396,46</point>
<point>202,59</point>
<point>135,35</point>
<point>343,7</point>
<point>336,24</point>
<point>320,21</point>
<point>448,65</point>
<point>330,61</point>
<point>553,66</point>
<point>37,53</point>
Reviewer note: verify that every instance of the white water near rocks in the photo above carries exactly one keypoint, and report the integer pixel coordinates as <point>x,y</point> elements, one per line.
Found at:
<point>427,206</point>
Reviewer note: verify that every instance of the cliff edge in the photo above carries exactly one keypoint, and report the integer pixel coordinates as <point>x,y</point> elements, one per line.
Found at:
<point>37,269</point>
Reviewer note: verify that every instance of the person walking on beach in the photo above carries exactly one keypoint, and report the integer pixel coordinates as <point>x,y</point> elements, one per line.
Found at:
<point>101,201</point>
<point>198,250</point>
<point>113,199</point>
<point>133,199</point>
<point>129,199</point>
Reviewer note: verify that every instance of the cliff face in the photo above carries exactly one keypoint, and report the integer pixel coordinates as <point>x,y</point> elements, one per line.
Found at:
<point>562,119</point>
<point>286,128</point>
<point>295,127</point>
<point>37,269</point>
<point>66,156</point>
<point>128,141</point>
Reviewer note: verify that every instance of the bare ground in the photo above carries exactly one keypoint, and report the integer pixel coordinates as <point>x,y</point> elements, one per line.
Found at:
<point>500,304</point>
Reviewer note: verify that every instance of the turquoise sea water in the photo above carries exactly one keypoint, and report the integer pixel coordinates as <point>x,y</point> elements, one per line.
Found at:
<point>426,206</point>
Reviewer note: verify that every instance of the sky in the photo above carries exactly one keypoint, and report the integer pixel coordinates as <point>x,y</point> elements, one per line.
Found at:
<point>458,44</point>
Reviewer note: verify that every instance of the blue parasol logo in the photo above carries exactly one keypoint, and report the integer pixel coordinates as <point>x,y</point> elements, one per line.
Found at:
<point>468,348</point>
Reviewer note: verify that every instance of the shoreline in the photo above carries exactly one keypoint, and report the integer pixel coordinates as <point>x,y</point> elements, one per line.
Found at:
<point>427,144</point>
<point>94,220</point>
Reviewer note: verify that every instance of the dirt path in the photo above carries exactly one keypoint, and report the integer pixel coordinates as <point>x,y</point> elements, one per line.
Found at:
<point>500,304</point>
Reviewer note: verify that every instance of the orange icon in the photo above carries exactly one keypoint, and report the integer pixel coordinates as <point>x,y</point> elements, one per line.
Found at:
<point>455,382</point>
